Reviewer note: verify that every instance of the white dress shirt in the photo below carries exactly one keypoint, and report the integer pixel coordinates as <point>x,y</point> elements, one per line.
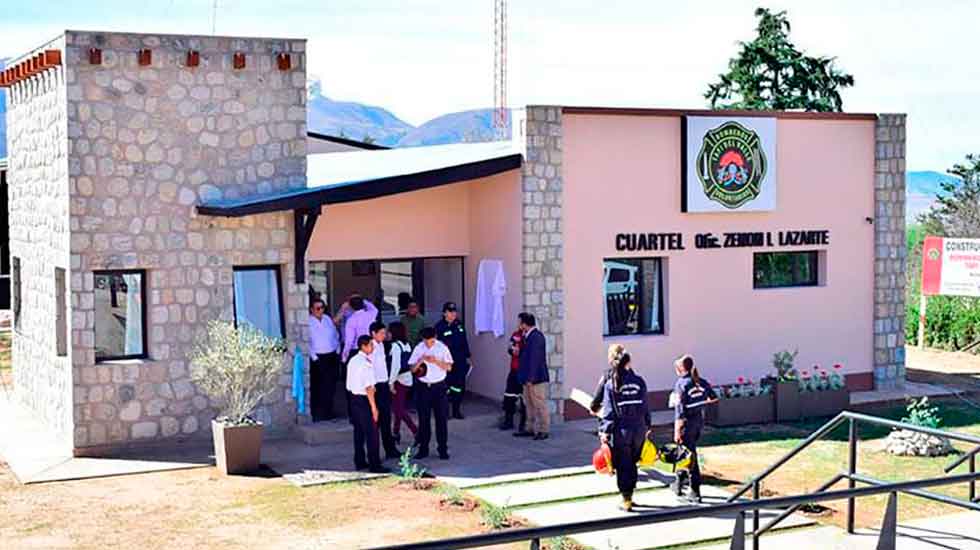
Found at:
<point>380,363</point>
<point>324,337</point>
<point>433,373</point>
<point>398,349</point>
<point>360,374</point>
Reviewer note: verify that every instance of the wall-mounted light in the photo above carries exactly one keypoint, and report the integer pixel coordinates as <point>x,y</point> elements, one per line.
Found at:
<point>193,58</point>
<point>869,219</point>
<point>238,60</point>
<point>94,56</point>
<point>284,61</point>
<point>145,57</point>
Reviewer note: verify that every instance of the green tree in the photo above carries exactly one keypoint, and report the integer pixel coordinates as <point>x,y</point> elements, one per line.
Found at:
<point>956,212</point>
<point>770,73</point>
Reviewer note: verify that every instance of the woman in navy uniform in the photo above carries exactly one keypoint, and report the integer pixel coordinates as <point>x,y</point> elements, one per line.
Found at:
<point>450,331</point>
<point>691,395</point>
<point>620,402</point>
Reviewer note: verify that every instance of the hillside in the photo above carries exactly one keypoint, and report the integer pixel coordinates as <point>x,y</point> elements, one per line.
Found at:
<point>465,126</point>
<point>921,189</point>
<point>352,120</point>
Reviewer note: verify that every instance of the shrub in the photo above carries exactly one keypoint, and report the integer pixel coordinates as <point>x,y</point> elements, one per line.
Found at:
<point>922,413</point>
<point>408,470</point>
<point>451,494</point>
<point>495,517</point>
<point>237,368</point>
<point>782,362</point>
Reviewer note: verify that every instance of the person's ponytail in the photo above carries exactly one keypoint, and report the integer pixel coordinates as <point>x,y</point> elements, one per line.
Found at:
<point>618,359</point>
<point>695,377</point>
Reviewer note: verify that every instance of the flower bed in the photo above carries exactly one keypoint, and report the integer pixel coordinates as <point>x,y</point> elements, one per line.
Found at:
<point>823,393</point>
<point>745,402</point>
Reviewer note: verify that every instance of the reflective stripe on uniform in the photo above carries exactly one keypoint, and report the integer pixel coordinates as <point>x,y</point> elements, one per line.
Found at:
<point>631,402</point>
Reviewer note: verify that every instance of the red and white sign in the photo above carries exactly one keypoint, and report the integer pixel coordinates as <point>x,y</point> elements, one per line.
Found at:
<point>951,266</point>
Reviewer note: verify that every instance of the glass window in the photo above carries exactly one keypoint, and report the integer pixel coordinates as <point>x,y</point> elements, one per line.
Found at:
<point>318,280</point>
<point>120,323</point>
<point>632,296</point>
<point>15,286</point>
<point>396,289</point>
<point>61,312</point>
<point>257,299</point>
<point>785,269</point>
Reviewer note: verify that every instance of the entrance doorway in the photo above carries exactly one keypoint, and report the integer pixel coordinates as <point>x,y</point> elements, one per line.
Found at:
<point>389,284</point>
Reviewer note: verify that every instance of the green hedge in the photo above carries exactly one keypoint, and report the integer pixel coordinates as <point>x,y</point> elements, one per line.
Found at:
<point>952,322</point>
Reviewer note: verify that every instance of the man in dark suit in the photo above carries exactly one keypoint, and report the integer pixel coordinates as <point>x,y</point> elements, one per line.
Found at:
<point>532,374</point>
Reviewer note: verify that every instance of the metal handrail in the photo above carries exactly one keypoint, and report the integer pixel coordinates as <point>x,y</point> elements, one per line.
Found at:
<point>833,424</point>
<point>689,512</point>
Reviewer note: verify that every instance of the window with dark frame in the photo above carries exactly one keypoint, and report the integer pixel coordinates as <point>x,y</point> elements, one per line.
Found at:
<point>16,289</point>
<point>785,269</point>
<point>258,299</point>
<point>632,296</point>
<point>120,315</point>
<point>61,312</point>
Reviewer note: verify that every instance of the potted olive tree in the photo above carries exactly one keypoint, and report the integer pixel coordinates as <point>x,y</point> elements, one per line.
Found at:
<point>237,367</point>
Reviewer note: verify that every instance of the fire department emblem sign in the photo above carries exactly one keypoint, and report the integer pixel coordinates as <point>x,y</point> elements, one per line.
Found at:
<point>731,165</point>
<point>933,254</point>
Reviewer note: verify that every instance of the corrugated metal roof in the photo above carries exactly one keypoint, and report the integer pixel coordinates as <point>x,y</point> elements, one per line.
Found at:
<point>360,175</point>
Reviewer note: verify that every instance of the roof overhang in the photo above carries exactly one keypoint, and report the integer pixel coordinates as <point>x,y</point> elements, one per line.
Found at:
<point>333,177</point>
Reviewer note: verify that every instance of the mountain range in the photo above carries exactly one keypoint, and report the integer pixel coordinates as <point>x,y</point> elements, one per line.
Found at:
<point>378,125</point>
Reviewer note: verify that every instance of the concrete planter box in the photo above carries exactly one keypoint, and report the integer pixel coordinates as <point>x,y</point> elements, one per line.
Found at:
<point>237,449</point>
<point>787,401</point>
<point>742,410</point>
<point>824,403</point>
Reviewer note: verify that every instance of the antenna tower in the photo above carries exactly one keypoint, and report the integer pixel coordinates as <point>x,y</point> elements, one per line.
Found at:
<point>500,69</point>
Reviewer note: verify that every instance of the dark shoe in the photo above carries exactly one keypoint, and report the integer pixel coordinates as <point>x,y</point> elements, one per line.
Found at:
<point>505,425</point>
<point>420,454</point>
<point>541,436</point>
<point>395,455</point>
<point>360,467</point>
<point>692,497</point>
<point>379,470</point>
<point>458,415</point>
<point>523,434</point>
<point>443,456</point>
<point>397,437</point>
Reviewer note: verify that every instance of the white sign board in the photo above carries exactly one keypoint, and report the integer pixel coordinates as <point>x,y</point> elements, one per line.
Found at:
<point>951,266</point>
<point>729,164</point>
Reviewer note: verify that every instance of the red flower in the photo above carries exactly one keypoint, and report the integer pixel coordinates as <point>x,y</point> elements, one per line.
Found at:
<point>838,366</point>
<point>823,373</point>
<point>806,374</point>
<point>741,380</point>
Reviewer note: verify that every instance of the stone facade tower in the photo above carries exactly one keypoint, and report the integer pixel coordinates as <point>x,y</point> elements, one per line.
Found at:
<point>110,152</point>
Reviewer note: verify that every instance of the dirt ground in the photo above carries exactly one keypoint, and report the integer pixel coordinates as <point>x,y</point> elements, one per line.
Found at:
<point>952,368</point>
<point>199,509</point>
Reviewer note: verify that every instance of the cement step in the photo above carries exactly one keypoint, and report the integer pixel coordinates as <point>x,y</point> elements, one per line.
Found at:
<point>646,537</point>
<point>556,489</point>
<point>324,433</point>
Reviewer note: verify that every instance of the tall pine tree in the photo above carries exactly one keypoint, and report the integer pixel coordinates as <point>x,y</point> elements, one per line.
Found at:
<point>770,73</point>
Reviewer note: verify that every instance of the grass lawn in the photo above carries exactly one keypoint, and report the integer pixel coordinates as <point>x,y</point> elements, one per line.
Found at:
<point>733,456</point>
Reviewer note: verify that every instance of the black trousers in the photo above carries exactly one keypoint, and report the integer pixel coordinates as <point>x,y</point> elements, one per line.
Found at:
<point>365,433</point>
<point>627,443</point>
<point>324,373</point>
<point>382,398</point>
<point>514,401</point>
<point>690,437</point>
<point>432,401</point>
<point>456,380</point>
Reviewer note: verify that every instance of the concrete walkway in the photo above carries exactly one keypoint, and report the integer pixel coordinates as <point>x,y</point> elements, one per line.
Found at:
<point>956,531</point>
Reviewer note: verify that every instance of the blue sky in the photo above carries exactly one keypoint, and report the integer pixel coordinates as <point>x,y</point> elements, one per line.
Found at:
<point>422,58</point>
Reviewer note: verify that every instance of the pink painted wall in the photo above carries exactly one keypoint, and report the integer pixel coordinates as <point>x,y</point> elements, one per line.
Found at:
<point>495,232</point>
<point>431,222</point>
<point>475,219</point>
<point>622,174</point>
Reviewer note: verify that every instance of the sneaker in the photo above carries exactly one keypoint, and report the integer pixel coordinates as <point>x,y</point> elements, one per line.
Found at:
<point>360,467</point>
<point>379,470</point>
<point>443,456</point>
<point>541,436</point>
<point>523,434</point>
<point>626,505</point>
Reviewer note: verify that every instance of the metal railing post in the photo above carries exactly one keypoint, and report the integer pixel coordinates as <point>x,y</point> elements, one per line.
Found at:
<point>535,544</point>
<point>756,493</point>
<point>973,482</point>
<point>852,440</point>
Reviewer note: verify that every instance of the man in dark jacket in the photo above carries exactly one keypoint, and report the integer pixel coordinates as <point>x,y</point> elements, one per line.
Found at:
<point>532,374</point>
<point>450,331</point>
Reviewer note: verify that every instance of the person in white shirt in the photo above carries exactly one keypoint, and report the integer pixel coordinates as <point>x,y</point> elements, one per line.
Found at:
<point>324,361</point>
<point>361,381</point>
<point>382,394</point>
<point>430,361</point>
<point>400,379</point>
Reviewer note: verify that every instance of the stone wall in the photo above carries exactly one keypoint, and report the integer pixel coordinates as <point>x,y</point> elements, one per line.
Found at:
<point>148,143</point>
<point>542,238</point>
<point>38,210</point>
<point>890,252</point>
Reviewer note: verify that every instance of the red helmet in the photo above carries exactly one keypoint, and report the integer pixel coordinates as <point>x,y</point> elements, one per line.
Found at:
<point>602,460</point>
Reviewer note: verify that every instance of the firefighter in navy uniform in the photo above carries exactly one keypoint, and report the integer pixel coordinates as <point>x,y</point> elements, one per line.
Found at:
<point>690,397</point>
<point>450,331</point>
<point>624,419</point>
